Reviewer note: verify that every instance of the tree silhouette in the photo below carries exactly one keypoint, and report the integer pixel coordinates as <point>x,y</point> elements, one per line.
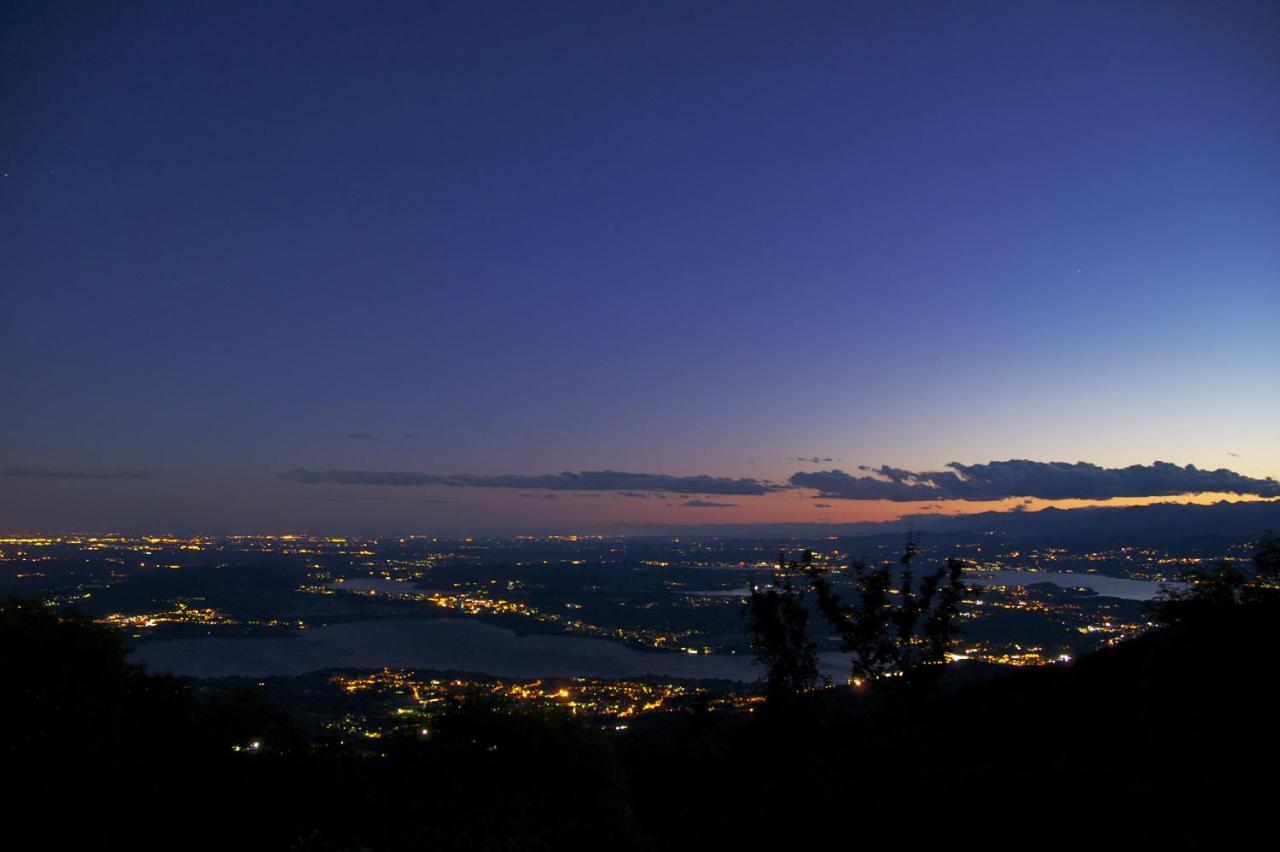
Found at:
<point>1223,585</point>
<point>777,622</point>
<point>1266,558</point>
<point>898,646</point>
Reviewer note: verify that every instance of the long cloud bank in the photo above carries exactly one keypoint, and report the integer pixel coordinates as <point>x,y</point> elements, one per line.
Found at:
<point>995,480</point>
<point>1022,478</point>
<point>587,480</point>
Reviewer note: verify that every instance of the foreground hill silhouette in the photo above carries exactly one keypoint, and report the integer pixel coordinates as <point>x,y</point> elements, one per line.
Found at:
<point>1163,742</point>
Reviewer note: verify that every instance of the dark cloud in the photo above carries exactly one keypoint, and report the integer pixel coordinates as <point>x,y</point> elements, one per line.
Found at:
<point>708,504</point>
<point>82,473</point>
<point>1022,478</point>
<point>822,505</point>
<point>813,459</point>
<point>838,484</point>
<point>360,436</point>
<point>587,480</point>
<point>634,495</point>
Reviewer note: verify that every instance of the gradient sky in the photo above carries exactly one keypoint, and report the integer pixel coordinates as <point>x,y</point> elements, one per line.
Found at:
<point>677,238</point>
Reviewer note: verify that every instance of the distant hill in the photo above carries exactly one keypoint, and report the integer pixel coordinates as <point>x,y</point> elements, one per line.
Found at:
<point>1157,522</point>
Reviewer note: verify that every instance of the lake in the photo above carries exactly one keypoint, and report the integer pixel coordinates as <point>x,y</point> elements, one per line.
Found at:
<point>1112,587</point>
<point>377,584</point>
<point>440,643</point>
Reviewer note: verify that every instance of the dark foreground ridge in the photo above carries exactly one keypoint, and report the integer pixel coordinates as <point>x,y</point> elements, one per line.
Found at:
<point>1163,741</point>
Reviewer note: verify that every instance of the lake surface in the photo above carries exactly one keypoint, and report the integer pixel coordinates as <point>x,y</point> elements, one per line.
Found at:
<point>376,584</point>
<point>1112,587</point>
<point>440,643</point>
<point>469,645</point>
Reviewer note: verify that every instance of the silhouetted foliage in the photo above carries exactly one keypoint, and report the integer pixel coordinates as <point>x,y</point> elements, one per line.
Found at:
<point>76,717</point>
<point>1226,584</point>
<point>69,689</point>
<point>898,646</point>
<point>1266,557</point>
<point>777,622</point>
<point>144,761</point>
<point>109,757</point>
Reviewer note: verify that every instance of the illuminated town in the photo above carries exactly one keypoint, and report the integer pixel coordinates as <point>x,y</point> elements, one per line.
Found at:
<point>658,596</point>
<point>390,700</point>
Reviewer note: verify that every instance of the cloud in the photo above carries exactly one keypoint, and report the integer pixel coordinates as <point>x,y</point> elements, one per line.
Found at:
<point>708,504</point>
<point>840,485</point>
<point>81,473</point>
<point>1022,478</point>
<point>360,436</point>
<point>587,480</point>
<point>813,459</point>
<point>822,505</point>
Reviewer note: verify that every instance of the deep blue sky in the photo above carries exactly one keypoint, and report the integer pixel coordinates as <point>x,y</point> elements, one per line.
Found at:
<point>685,238</point>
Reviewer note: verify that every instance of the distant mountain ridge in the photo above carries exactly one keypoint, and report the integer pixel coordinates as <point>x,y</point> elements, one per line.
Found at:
<point>1156,521</point>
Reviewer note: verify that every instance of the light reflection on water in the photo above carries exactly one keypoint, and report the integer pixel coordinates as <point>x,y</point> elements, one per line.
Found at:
<point>1114,587</point>
<point>442,644</point>
<point>469,645</point>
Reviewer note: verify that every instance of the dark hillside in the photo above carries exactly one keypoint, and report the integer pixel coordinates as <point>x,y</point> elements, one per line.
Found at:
<point>1165,741</point>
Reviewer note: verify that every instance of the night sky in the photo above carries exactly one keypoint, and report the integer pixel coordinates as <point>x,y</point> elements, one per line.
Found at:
<point>397,266</point>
